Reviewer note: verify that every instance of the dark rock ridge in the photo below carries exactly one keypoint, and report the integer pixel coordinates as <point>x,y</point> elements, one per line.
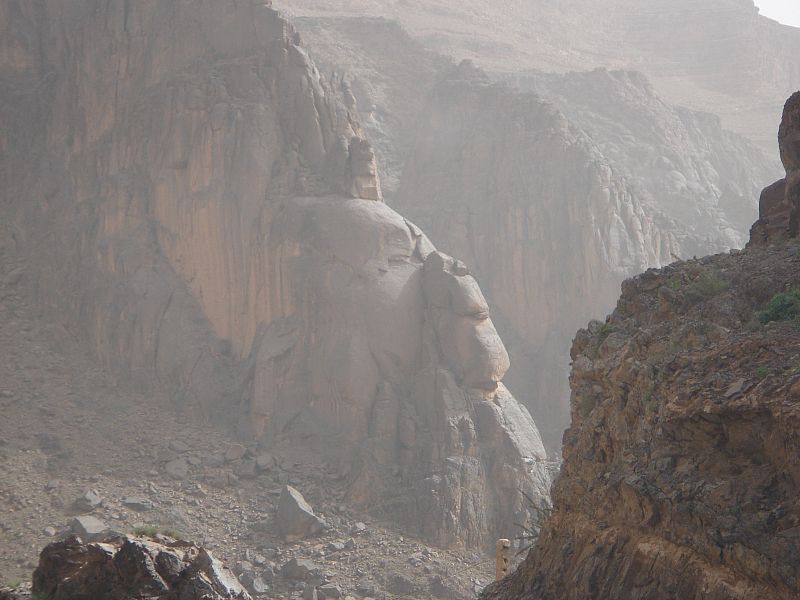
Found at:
<point>680,476</point>
<point>123,568</point>
<point>779,205</point>
<point>199,203</point>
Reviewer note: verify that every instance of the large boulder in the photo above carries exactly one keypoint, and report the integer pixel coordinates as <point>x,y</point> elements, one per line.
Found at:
<point>122,568</point>
<point>295,519</point>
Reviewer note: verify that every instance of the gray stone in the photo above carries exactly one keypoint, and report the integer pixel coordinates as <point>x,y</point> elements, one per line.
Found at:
<point>89,528</point>
<point>300,569</point>
<point>264,462</point>
<point>295,518</point>
<point>137,504</point>
<point>259,586</point>
<point>235,452</point>
<point>88,501</point>
<point>358,528</point>
<point>177,468</point>
<point>178,446</point>
<point>330,590</point>
<point>310,593</point>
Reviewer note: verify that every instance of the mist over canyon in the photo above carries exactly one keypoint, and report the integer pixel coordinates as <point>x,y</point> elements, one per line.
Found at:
<point>300,282</point>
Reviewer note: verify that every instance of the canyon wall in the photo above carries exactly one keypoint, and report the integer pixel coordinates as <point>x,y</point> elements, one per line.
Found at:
<point>680,478</point>
<point>199,204</point>
<point>556,201</point>
<point>723,58</point>
<point>643,182</point>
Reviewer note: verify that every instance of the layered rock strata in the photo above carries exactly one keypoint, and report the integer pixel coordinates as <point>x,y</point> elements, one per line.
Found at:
<point>197,201</point>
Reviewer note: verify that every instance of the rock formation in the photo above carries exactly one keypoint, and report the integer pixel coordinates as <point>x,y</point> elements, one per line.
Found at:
<point>680,477</point>
<point>127,567</point>
<point>553,205</point>
<point>692,180</point>
<point>198,202</point>
<point>779,205</point>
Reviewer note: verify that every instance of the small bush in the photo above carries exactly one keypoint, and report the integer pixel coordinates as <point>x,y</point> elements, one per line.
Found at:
<point>762,372</point>
<point>153,530</point>
<point>707,285</point>
<point>605,330</point>
<point>783,307</point>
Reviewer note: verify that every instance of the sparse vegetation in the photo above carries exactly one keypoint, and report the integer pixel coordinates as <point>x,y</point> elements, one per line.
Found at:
<point>762,372</point>
<point>605,330</point>
<point>783,307</point>
<point>154,530</point>
<point>707,285</point>
<point>539,512</point>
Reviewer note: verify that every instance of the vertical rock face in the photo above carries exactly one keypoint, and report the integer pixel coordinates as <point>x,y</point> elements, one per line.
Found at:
<point>197,201</point>
<point>680,478</point>
<point>779,206</point>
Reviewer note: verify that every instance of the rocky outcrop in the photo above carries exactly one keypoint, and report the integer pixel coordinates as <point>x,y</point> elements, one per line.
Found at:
<point>127,567</point>
<point>199,203</point>
<point>779,205</point>
<point>678,478</point>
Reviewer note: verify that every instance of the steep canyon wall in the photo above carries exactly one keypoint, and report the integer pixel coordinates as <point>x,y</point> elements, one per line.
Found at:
<point>199,204</point>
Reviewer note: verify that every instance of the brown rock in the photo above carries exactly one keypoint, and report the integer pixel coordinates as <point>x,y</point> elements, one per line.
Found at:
<point>126,567</point>
<point>779,205</point>
<point>680,477</point>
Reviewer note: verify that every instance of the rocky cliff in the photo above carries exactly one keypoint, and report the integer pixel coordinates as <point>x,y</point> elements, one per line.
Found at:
<point>556,198</point>
<point>722,58</point>
<point>197,202</point>
<point>679,478</point>
<point>695,182</point>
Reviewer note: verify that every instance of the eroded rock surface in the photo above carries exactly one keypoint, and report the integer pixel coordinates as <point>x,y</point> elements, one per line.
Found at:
<point>198,202</point>
<point>127,567</point>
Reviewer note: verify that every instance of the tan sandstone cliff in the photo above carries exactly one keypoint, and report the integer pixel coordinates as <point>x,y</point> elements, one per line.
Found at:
<point>680,477</point>
<point>198,203</point>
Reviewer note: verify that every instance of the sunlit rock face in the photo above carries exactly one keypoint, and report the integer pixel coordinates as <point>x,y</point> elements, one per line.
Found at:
<point>197,201</point>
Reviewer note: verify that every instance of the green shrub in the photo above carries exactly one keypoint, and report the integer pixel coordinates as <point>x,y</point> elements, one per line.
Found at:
<point>783,307</point>
<point>762,372</point>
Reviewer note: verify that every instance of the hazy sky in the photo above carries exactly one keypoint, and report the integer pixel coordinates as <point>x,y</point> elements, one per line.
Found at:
<point>785,11</point>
